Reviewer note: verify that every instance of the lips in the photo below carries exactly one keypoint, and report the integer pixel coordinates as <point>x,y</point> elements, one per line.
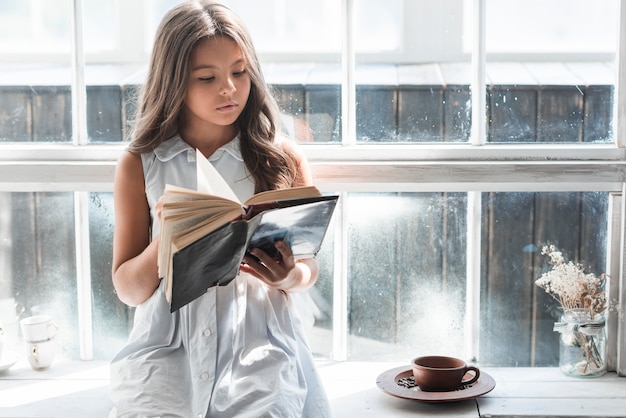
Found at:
<point>227,107</point>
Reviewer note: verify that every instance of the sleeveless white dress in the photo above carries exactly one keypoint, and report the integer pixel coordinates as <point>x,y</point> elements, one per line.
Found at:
<point>237,351</point>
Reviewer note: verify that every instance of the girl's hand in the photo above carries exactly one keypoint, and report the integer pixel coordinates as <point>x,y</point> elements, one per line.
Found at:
<point>285,274</point>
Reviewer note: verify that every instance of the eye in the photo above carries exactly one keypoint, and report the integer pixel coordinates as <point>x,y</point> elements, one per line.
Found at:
<point>206,79</point>
<point>239,73</point>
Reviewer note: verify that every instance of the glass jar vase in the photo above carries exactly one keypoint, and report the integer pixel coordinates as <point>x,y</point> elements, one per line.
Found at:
<point>582,351</point>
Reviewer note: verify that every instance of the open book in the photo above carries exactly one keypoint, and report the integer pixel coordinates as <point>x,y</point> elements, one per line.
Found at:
<point>205,233</point>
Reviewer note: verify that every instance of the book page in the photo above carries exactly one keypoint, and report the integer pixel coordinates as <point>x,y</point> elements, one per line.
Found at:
<point>172,223</point>
<point>204,227</point>
<point>210,180</point>
<point>284,194</point>
<point>182,208</point>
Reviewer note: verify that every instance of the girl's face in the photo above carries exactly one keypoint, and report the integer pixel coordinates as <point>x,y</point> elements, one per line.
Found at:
<point>219,84</point>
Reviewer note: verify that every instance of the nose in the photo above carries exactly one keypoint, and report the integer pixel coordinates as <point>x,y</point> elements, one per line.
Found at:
<point>228,87</point>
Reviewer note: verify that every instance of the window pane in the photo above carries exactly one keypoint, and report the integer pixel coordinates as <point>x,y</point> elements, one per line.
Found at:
<point>35,103</point>
<point>565,98</point>
<point>38,262</point>
<point>555,26</point>
<point>112,319</point>
<point>517,317</point>
<point>417,99</point>
<point>569,109</point>
<point>308,94</point>
<point>34,26</point>
<point>44,26</point>
<point>107,93</point>
<point>38,270</point>
<point>407,272</point>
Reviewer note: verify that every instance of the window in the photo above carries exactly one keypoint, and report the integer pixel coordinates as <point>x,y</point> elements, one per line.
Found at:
<point>551,31</point>
<point>453,170</point>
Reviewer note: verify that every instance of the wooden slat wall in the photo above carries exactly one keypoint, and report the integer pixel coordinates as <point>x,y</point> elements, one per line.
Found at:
<point>513,111</point>
<point>415,103</point>
<point>15,114</point>
<point>52,114</point>
<point>505,280</point>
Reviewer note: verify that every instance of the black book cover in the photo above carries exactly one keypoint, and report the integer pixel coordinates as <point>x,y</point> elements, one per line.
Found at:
<point>215,258</point>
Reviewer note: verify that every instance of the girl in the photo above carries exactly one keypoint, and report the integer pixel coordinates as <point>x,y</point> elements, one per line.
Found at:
<point>239,350</point>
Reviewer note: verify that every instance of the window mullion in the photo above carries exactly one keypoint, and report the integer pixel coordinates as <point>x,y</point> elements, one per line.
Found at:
<point>620,140</point>
<point>83,274</point>
<point>473,268</point>
<point>478,89</point>
<point>348,117</point>
<point>613,260</point>
<point>620,88</point>
<point>340,282</point>
<point>348,83</point>
<point>474,198</point>
<point>81,199</point>
<point>78,89</point>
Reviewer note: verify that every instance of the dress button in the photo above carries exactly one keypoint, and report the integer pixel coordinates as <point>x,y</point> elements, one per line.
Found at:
<point>204,376</point>
<point>199,415</point>
<point>207,332</point>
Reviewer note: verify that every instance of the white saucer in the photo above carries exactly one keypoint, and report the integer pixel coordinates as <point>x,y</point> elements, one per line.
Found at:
<point>7,361</point>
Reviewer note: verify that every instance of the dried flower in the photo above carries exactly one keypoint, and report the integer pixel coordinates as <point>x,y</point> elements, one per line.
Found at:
<point>576,291</point>
<point>582,296</point>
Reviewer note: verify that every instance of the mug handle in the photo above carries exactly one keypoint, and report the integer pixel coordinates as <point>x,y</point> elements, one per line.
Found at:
<point>473,379</point>
<point>19,309</point>
<point>55,329</point>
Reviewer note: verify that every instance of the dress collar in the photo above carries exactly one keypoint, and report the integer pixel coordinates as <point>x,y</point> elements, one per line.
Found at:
<point>176,145</point>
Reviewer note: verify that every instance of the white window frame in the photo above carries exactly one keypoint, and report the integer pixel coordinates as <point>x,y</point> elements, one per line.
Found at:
<point>475,167</point>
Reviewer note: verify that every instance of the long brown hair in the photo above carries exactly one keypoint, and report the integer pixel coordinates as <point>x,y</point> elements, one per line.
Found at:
<point>162,96</point>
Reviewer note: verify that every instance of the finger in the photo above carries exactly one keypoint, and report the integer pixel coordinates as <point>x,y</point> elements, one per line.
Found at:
<point>250,270</point>
<point>262,264</point>
<point>260,257</point>
<point>284,250</point>
<point>268,270</point>
<point>259,271</point>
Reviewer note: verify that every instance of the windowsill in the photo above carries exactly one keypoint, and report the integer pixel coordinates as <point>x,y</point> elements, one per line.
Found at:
<point>79,389</point>
<point>519,392</point>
